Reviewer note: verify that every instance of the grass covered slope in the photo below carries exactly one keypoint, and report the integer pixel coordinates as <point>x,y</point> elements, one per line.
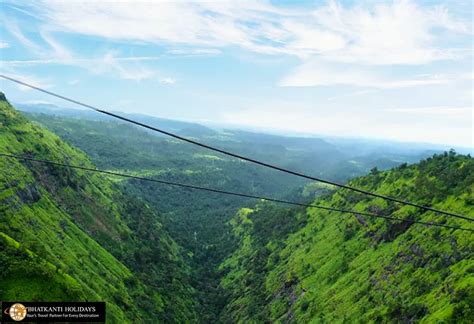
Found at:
<point>73,232</point>
<point>324,267</point>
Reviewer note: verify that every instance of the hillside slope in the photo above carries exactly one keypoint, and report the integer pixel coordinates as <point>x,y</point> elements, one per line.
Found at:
<point>323,267</point>
<point>66,234</point>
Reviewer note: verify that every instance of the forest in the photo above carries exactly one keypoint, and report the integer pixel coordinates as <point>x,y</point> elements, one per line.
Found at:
<point>157,253</point>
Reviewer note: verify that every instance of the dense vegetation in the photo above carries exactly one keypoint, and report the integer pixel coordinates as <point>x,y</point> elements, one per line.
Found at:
<point>113,144</point>
<point>81,237</point>
<point>198,221</point>
<point>162,254</point>
<point>321,266</point>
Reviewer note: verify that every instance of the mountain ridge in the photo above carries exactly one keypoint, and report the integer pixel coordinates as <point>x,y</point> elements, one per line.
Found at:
<point>201,129</point>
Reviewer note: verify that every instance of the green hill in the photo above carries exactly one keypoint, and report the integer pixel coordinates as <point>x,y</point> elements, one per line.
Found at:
<point>66,234</point>
<point>323,267</point>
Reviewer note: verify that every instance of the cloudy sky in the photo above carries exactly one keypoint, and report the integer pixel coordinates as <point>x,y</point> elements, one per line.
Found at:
<point>397,70</point>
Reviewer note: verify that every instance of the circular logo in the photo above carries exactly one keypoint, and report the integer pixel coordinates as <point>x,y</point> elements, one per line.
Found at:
<point>17,312</point>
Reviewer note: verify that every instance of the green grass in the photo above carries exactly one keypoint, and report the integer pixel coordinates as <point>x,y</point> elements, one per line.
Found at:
<point>25,276</point>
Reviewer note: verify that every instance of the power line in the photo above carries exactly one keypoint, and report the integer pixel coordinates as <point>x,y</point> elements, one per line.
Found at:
<point>209,147</point>
<point>177,184</point>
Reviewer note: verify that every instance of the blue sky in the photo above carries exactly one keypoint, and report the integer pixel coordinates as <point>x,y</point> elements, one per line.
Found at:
<point>399,70</point>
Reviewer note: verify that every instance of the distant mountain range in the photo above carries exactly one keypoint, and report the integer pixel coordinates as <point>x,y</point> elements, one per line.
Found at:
<point>352,146</point>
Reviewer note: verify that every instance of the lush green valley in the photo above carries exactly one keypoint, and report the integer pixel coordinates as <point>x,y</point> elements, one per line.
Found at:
<point>157,253</point>
<point>199,221</point>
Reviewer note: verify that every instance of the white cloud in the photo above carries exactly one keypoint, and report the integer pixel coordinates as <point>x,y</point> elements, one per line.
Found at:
<point>13,28</point>
<point>167,80</point>
<point>318,72</point>
<point>358,36</point>
<point>75,60</point>
<point>55,53</point>
<point>195,51</point>
<point>60,52</point>
<point>4,44</point>
<point>37,102</point>
<point>14,63</point>
<point>175,22</point>
<point>138,58</point>
<point>125,71</point>
<point>337,44</point>
<point>397,33</point>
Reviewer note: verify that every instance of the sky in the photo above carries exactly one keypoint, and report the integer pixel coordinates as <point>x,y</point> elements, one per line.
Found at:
<point>398,70</point>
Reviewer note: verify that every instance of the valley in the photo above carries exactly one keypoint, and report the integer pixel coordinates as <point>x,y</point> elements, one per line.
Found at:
<point>156,252</point>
